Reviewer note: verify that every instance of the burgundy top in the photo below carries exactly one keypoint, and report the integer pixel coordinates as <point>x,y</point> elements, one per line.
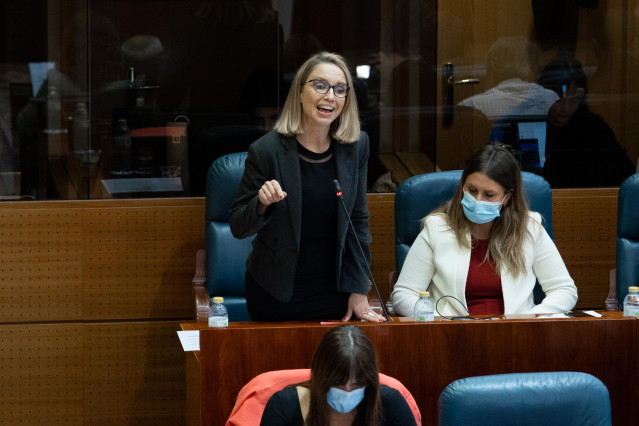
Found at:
<point>483,284</point>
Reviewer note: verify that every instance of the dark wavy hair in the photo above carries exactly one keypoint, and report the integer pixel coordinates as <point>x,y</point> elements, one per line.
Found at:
<point>344,352</point>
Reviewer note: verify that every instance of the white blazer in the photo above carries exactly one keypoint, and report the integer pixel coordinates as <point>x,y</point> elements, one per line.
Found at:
<point>436,259</point>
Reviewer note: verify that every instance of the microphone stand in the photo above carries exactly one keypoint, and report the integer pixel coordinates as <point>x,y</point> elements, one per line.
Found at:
<point>338,192</point>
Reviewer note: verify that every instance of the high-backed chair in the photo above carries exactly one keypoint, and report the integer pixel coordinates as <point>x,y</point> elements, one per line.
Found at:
<point>561,398</point>
<point>220,268</point>
<point>627,271</point>
<point>252,398</point>
<point>419,195</point>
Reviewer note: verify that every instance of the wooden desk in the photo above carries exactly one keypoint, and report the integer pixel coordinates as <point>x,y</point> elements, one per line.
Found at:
<point>424,357</point>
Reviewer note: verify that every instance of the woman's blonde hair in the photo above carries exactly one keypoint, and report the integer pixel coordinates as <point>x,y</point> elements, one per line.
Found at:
<point>509,230</point>
<point>345,128</point>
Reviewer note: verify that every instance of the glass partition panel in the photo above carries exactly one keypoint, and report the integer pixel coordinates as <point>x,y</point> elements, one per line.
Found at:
<point>177,84</point>
<point>136,98</point>
<point>552,80</point>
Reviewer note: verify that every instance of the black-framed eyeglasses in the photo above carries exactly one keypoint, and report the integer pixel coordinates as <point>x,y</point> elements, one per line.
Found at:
<point>322,87</point>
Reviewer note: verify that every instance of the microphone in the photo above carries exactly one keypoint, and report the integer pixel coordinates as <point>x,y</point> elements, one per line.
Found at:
<point>455,318</point>
<point>338,192</point>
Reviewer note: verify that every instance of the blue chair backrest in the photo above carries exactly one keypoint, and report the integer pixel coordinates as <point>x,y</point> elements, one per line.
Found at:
<point>419,195</point>
<point>225,255</point>
<point>628,236</point>
<point>562,398</point>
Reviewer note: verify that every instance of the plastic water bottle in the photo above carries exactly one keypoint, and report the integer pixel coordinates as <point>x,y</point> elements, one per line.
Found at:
<point>631,302</point>
<point>218,315</point>
<point>54,111</point>
<point>80,129</point>
<point>122,149</point>
<point>424,308</point>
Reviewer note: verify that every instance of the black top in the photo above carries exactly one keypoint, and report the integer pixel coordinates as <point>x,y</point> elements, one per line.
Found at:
<point>315,272</point>
<point>283,409</point>
<point>585,153</point>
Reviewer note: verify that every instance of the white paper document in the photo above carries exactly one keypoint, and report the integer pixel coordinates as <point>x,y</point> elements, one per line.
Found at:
<point>190,340</point>
<point>552,316</point>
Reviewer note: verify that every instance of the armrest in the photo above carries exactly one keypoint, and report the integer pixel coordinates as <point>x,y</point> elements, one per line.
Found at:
<point>202,299</point>
<point>612,304</point>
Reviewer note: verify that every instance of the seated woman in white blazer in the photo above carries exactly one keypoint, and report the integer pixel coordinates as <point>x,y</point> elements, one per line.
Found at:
<point>485,248</point>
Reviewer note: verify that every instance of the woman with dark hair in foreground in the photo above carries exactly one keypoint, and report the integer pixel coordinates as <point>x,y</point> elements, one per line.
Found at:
<point>344,388</point>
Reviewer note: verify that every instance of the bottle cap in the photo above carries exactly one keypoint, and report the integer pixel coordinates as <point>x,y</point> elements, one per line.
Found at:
<point>424,294</point>
<point>633,289</point>
<point>218,300</point>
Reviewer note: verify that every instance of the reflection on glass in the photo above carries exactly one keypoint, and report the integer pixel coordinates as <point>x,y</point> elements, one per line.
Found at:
<point>510,64</point>
<point>582,150</point>
<point>69,74</point>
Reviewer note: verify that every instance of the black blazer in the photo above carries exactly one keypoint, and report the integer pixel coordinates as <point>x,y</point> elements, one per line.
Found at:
<point>273,260</point>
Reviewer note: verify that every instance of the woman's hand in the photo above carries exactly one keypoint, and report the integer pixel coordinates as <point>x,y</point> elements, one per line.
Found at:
<point>271,192</point>
<point>358,304</point>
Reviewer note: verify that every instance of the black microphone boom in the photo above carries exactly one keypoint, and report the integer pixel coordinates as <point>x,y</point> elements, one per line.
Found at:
<point>338,192</point>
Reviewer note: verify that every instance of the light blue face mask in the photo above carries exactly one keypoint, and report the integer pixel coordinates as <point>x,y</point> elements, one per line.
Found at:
<point>344,402</point>
<point>480,211</point>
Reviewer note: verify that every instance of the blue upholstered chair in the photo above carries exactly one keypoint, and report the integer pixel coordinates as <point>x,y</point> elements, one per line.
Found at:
<point>419,195</point>
<point>221,266</point>
<point>560,398</point>
<point>627,271</point>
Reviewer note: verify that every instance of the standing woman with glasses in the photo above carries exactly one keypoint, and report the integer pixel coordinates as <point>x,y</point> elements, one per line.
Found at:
<point>305,263</point>
<point>485,249</point>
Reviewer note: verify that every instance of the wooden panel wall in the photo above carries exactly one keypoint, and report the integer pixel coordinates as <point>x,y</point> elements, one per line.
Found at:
<point>40,264</point>
<point>585,225</point>
<point>140,253</point>
<point>134,374</point>
<point>382,222</point>
<point>91,294</point>
<point>41,374</point>
<point>64,266</point>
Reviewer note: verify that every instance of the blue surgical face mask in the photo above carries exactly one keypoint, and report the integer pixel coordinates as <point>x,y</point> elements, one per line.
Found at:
<point>344,402</point>
<point>480,211</point>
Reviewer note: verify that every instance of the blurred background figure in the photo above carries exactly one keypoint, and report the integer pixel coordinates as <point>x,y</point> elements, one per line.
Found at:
<point>262,98</point>
<point>297,48</point>
<point>144,57</point>
<point>511,68</point>
<point>581,149</point>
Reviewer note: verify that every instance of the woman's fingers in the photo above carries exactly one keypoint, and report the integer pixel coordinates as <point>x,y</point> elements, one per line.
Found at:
<point>271,192</point>
<point>358,304</point>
